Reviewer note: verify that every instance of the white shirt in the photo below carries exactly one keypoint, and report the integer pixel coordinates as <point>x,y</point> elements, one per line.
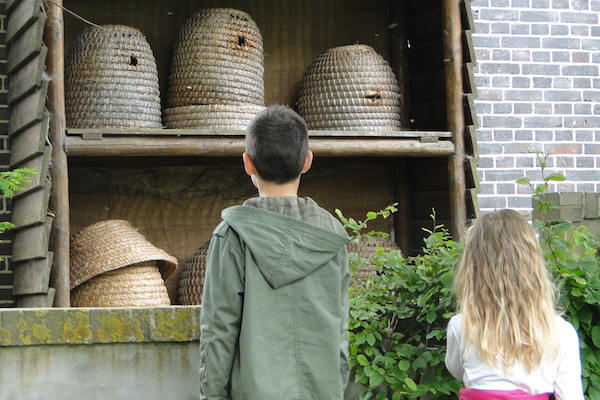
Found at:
<point>561,376</point>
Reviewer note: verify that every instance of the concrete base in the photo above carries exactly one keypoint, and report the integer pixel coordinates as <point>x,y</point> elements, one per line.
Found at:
<point>144,371</point>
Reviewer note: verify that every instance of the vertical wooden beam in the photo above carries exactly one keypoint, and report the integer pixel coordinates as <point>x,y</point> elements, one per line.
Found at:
<point>453,60</point>
<point>59,201</point>
<point>402,219</point>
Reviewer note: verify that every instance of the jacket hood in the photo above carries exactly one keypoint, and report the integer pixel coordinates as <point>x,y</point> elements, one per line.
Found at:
<point>285,249</point>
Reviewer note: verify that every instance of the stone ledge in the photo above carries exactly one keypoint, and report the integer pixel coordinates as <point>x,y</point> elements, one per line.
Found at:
<point>26,327</point>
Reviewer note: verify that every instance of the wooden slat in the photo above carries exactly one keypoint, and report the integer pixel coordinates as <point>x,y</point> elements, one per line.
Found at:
<point>471,146</point>
<point>28,111</point>
<point>31,209</point>
<point>219,147</point>
<point>473,210</point>
<point>472,180</point>
<point>37,300</point>
<point>466,14</point>
<point>32,277</point>
<point>23,16</point>
<point>469,85</point>
<point>225,133</point>
<point>6,277</point>
<point>470,111</point>
<point>30,243</point>
<point>27,79</point>
<point>10,5</point>
<point>26,46</point>
<point>468,48</point>
<point>40,164</point>
<point>29,144</point>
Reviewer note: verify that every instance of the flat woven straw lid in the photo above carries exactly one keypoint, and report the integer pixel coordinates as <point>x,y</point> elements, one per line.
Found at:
<point>218,55</point>
<point>110,245</point>
<point>350,88</point>
<point>137,285</point>
<point>111,80</point>
<point>191,281</point>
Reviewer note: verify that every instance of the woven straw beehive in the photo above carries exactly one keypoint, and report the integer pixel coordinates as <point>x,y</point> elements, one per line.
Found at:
<point>217,71</point>
<point>365,249</point>
<point>350,88</point>
<point>136,285</point>
<point>112,259</point>
<point>111,80</point>
<point>191,281</point>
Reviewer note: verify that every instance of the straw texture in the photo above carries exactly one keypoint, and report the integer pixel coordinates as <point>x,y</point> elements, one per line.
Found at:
<point>110,245</point>
<point>111,80</point>
<point>218,59</point>
<point>365,249</point>
<point>350,88</point>
<point>136,285</point>
<point>216,116</point>
<point>191,280</point>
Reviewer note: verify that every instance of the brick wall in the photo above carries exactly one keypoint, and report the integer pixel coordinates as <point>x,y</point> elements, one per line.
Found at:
<point>5,245</point>
<point>539,85</point>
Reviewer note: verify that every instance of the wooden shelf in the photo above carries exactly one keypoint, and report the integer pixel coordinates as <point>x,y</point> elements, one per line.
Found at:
<point>210,143</point>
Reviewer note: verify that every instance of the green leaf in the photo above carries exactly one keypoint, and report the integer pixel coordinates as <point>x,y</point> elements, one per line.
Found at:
<point>596,336</point>
<point>404,365</point>
<point>375,380</point>
<point>410,383</point>
<point>541,188</point>
<point>362,360</point>
<point>555,177</point>
<point>523,181</point>
<point>430,316</point>
<point>371,215</point>
<point>371,339</point>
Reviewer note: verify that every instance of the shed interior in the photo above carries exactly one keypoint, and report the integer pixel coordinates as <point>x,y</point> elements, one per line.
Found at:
<point>176,201</point>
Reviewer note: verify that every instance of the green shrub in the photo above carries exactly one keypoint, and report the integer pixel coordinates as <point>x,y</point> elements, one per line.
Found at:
<point>398,321</point>
<point>398,317</point>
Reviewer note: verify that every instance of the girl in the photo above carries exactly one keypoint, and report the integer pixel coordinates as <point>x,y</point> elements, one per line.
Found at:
<point>508,341</point>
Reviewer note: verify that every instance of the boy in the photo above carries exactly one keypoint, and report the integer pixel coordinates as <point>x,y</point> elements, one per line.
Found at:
<point>275,302</point>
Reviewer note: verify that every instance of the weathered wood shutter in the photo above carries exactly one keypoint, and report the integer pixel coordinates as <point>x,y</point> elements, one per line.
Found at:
<point>28,131</point>
<point>471,124</point>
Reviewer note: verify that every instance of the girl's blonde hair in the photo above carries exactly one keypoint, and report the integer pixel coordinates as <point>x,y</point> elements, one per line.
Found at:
<point>505,293</point>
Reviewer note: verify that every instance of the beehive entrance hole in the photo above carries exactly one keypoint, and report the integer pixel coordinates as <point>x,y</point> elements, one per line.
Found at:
<point>241,41</point>
<point>133,61</point>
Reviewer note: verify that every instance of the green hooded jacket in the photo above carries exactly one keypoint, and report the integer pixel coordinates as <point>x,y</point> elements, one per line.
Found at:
<point>275,304</point>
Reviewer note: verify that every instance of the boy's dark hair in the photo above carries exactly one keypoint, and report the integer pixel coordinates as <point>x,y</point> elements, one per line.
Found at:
<point>277,142</point>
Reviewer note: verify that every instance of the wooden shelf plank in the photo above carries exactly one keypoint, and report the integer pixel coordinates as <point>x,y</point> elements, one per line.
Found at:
<point>92,133</point>
<point>127,146</point>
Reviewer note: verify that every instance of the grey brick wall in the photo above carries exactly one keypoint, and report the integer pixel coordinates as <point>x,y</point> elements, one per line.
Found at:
<point>539,89</point>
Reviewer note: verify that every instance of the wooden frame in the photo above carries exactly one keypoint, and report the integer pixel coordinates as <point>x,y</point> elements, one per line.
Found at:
<point>27,130</point>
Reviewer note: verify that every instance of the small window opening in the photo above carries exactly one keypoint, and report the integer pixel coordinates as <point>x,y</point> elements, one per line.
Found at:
<point>241,41</point>
<point>133,61</point>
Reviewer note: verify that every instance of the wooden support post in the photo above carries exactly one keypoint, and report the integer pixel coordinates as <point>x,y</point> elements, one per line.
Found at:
<point>59,202</point>
<point>402,219</point>
<point>453,60</point>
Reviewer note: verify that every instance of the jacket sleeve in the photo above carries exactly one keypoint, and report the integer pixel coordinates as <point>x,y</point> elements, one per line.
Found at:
<point>222,301</point>
<point>344,368</point>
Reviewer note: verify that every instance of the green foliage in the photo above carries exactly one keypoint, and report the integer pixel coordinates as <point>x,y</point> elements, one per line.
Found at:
<point>10,182</point>
<point>398,322</point>
<point>571,253</point>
